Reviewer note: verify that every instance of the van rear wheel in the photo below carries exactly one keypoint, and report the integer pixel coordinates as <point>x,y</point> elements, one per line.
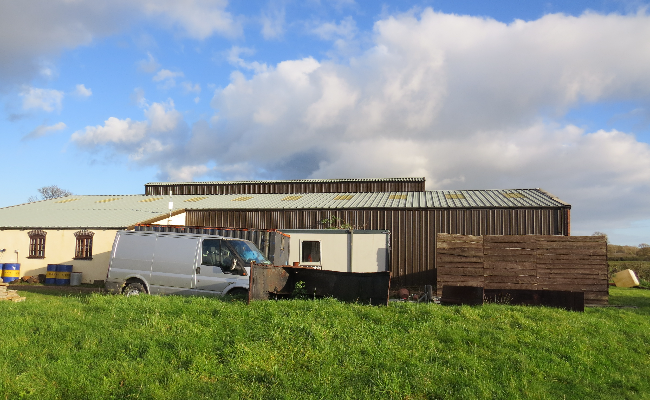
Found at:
<point>133,289</point>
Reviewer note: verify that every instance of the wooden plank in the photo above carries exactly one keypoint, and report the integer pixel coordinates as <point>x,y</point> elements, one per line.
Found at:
<point>460,271</point>
<point>510,245</point>
<point>511,272</point>
<point>549,238</point>
<point>456,245</point>
<point>513,258</point>
<point>445,237</point>
<point>498,285</point>
<point>600,296</point>
<point>568,259</point>
<point>510,265</point>
<point>571,281</point>
<point>571,271</point>
<point>570,265</point>
<point>460,265</point>
<point>584,288</point>
<point>509,252</point>
<point>461,252</point>
<point>572,246</point>
<point>581,252</point>
<point>459,279</point>
<point>510,238</point>
<point>511,279</point>
<point>448,258</point>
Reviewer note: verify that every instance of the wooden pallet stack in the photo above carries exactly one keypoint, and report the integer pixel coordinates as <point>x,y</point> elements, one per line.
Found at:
<point>460,261</point>
<point>10,295</point>
<point>510,262</point>
<point>529,262</point>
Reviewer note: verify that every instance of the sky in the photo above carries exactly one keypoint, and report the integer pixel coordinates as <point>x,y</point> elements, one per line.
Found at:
<point>103,96</point>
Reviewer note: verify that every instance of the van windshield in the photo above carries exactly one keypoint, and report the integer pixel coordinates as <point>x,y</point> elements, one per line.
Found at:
<point>248,252</point>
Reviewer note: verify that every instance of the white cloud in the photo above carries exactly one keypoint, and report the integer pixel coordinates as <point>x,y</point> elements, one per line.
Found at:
<point>234,58</point>
<point>138,98</point>
<point>45,99</point>
<point>163,117</point>
<point>466,102</point>
<point>187,172</point>
<point>150,65</point>
<point>167,77</point>
<point>199,19</point>
<point>346,29</point>
<point>188,87</point>
<point>43,130</point>
<point>31,32</point>
<point>115,130</point>
<point>273,20</point>
<point>149,141</point>
<point>82,91</point>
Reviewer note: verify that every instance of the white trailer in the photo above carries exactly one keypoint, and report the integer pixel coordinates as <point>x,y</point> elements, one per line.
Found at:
<point>340,250</point>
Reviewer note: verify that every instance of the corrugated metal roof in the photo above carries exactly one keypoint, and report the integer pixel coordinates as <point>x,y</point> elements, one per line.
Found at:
<point>123,211</point>
<point>292,181</point>
<point>85,212</point>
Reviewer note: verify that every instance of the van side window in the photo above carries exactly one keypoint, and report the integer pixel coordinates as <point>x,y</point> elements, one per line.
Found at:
<point>211,252</point>
<point>216,253</point>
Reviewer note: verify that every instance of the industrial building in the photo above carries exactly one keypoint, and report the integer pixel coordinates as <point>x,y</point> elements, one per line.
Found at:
<point>413,218</point>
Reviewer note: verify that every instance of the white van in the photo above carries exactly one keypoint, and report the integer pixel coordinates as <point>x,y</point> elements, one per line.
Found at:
<point>180,263</point>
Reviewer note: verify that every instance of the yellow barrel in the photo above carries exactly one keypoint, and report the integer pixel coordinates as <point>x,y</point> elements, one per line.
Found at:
<point>10,272</point>
<point>63,274</point>
<point>50,276</point>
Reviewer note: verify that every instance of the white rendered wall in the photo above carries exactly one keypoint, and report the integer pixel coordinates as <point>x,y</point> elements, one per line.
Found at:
<point>59,249</point>
<point>343,251</point>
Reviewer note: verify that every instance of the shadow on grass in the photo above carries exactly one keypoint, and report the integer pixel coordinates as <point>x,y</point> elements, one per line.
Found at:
<point>636,297</point>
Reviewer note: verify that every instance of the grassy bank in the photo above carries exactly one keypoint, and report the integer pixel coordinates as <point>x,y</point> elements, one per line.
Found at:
<point>98,346</point>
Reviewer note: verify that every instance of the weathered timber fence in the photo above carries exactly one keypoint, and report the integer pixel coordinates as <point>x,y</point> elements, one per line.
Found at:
<point>530,262</point>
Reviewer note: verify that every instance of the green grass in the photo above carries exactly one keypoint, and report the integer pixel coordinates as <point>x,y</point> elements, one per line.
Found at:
<point>95,346</point>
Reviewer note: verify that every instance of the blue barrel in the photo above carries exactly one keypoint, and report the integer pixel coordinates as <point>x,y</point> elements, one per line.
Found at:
<point>50,276</point>
<point>10,273</point>
<point>63,274</point>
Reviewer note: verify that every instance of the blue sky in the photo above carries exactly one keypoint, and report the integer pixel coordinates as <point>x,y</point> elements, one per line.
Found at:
<point>100,97</point>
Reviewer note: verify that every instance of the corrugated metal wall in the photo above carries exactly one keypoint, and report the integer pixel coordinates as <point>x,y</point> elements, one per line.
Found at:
<point>286,187</point>
<point>413,232</point>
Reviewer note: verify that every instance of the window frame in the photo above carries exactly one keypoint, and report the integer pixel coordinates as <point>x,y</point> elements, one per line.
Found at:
<point>36,243</point>
<point>83,249</point>
<point>302,252</point>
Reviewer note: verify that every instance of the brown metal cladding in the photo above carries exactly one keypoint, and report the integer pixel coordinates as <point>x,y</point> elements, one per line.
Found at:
<point>270,187</point>
<point>413,231</point>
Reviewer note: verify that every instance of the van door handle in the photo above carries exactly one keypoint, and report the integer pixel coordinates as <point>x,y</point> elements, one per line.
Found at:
<point>198,270</point>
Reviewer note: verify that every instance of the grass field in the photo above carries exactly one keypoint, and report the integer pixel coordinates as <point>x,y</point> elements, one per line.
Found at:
<point>54,346</point>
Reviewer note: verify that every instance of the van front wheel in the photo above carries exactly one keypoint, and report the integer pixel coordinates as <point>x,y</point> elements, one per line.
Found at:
<point>133,289</point>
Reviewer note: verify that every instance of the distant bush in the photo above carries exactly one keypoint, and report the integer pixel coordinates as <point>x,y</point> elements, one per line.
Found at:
<point>628,253</point>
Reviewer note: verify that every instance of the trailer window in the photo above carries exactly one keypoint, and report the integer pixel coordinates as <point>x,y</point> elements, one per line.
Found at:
<point>310,251</point>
